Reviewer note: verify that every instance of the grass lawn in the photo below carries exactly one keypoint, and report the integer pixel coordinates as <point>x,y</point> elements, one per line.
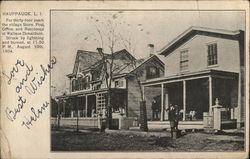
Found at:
<point>101,141</point>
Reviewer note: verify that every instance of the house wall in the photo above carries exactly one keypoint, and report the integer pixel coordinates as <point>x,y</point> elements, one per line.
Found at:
<point>104,85</point>
<point>134,98</point>
<point>228,55</point>
<point>230,58</point>
<point>134,95</point>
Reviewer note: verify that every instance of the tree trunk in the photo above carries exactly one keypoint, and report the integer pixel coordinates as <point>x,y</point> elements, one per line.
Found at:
<point>143,116</point>
<point>58,115</point>
<point>77,121</point>
<point>109,111</point>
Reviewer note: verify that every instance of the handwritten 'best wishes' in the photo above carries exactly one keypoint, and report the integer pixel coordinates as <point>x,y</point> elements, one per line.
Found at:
<point>31,82</point>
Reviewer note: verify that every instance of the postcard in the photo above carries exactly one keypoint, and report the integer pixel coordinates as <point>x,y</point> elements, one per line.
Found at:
<point>127,79</point>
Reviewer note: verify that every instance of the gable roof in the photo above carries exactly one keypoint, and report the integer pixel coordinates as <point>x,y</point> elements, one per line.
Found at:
<point>144,61</point>
<point>84,59</point>
<point>90,60</point>
<point>192,31</point>
<point>122,62</point>
<point>129,66</point>
<point>122,55</point>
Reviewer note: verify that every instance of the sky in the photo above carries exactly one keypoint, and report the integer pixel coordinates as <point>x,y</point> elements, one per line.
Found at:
<point>81,30</point>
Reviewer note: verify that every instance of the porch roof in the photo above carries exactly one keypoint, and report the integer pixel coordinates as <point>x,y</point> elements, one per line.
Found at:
<point>190,76</point>
<point>91,92</point>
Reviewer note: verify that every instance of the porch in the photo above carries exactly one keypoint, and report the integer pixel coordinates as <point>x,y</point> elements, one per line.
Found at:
<point>89,104</point>
<point>194,94</point>
<point>188,125</point>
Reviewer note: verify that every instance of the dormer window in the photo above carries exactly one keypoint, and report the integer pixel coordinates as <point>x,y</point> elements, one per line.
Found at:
<point>152,72</point>
<point>119,83</point>
<point>212,58</point>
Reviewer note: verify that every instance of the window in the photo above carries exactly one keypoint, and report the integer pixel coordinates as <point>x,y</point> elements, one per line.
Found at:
<point>212,54</point>
<point>73,85</point>
<point>87,82</point>
<point>97,87</point>
<point>81,84</point>
<point>184,60</point>
<point>77,85</point>
<point>116,84</point>
<point>152,72</point>
<point>119,83</point>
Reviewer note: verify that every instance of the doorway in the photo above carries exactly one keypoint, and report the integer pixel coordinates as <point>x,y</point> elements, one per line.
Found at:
<point>91,105</point>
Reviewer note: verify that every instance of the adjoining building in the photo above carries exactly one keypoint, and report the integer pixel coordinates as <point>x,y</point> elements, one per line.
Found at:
<point>88,88</point>
<point>202,65</point>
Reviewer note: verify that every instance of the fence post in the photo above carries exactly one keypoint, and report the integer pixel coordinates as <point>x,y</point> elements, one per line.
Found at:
<point>217,115</point>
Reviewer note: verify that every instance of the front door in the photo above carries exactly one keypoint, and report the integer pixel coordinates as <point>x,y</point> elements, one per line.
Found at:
<point>91,105</point>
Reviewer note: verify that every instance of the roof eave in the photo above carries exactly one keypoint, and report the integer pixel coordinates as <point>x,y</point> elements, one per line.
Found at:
<point>70,75</point>
<point>192,31</point>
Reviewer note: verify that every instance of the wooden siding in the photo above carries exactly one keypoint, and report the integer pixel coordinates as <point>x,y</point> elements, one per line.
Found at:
<point>134,96</point>
<point>228,56</point>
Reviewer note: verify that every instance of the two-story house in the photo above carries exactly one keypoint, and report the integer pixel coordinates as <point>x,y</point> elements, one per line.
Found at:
<point>203,64</point>
<point>88,87</point>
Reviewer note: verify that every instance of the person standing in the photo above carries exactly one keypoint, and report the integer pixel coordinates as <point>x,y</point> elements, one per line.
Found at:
<point>173,117</point>
<point>154,110</point>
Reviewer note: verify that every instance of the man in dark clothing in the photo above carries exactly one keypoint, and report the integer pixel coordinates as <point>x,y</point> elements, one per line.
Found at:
<point>155,110</point>
<point>173,115</point>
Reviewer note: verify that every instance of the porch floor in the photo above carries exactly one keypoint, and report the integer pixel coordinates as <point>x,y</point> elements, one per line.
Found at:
<point>181,125</point>
<point>188,124</point>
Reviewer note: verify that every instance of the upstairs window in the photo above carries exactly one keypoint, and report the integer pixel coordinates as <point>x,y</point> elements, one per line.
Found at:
<point>97,87</point>
<point>81,84</point>
<point>119,83</point>
<point>78,83</point>
<point>212,58</point>
<point>184,60</point>
<point>87,80</point>
<point>152,72</point>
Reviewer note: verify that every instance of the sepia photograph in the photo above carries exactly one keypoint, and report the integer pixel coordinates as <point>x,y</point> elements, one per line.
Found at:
<point>131,80</point>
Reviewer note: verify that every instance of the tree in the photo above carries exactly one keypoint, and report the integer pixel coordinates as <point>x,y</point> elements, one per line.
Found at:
<point>107,36</point>
<point>137,74</point>
<point>111,38</point>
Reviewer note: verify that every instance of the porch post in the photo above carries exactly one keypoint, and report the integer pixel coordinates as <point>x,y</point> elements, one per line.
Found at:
<point>210,94</point>
<point>184,100</point>
<point>166,104</point>
<point>238,116</point>
<point>96,106</point>
<point>86,106</point>
<point>162,102</point>
<point>70,87</point>
<point>71,108</point>
<point>64,108</point>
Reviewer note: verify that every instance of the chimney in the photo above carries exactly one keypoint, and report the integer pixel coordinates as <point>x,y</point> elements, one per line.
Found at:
<point>151,49</point>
